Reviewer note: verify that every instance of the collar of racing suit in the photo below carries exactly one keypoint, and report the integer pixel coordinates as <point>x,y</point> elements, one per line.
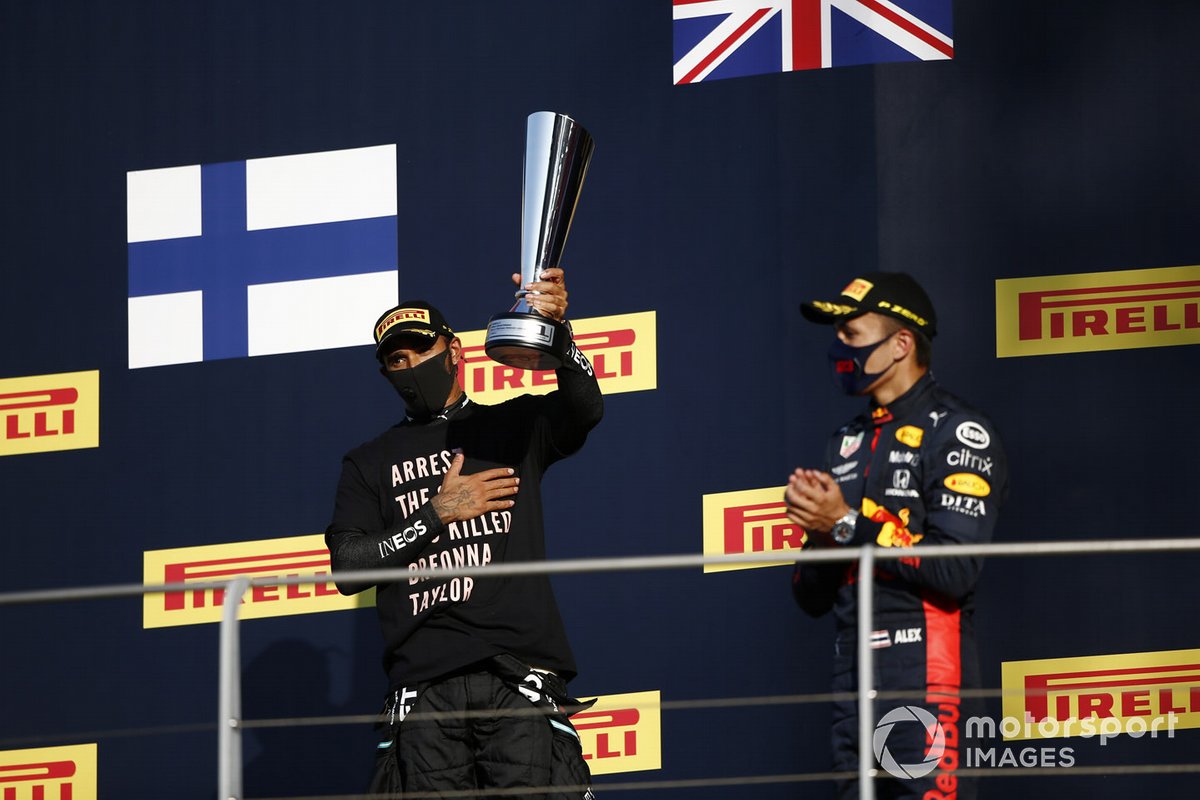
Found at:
<point>442,415</point>
<point>899,407</point>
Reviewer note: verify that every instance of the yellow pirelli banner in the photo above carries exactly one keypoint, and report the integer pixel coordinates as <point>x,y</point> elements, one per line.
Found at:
<point>622,733</point>
<point>750,521</point>
<point>52,773</point>
<point>43,413</point>
<point>1130,693</point>
<point>623,350</point>
<point>286,557</point>
<point>1097,311</point>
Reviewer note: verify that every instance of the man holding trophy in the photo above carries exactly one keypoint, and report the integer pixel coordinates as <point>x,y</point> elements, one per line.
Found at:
<point>477,666</point>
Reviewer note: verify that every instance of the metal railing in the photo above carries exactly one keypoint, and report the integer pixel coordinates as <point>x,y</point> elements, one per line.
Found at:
<point>231,726</point>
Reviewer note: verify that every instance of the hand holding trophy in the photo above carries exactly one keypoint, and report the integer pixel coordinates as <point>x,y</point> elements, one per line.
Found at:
<point>557,153</point>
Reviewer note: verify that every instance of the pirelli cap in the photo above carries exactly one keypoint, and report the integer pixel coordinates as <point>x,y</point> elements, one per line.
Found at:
<point>410,317</point>
<point>895,294</point>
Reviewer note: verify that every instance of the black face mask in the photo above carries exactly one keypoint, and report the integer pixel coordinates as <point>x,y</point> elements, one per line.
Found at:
<point>848,365</point>
<point>426,387</point>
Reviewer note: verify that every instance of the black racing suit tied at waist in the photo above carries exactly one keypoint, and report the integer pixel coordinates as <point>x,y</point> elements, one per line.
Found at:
<point>545,690</point>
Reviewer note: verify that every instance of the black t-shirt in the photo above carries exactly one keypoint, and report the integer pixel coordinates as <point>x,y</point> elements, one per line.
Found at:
<point>383,518</point>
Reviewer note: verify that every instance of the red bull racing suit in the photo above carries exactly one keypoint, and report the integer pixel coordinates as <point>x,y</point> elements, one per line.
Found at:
<point>925,470</point>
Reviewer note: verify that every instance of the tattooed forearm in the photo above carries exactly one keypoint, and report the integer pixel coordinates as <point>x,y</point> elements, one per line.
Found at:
<point>453,504</point>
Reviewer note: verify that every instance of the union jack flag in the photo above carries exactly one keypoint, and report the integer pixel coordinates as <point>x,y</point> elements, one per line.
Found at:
<point>730,38</point>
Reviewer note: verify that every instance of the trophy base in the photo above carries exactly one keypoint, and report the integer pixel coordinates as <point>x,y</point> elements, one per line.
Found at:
<point>527,341</point>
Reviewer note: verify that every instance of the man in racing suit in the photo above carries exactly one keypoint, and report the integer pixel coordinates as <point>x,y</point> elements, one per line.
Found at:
<point>477,665</point>
<point>917,467</point>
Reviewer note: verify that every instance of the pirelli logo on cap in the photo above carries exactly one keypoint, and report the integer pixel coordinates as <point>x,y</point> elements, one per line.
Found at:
<point>291,556</point>
<point>858,289</point>
<point>1133,693</point>
<point>622,733</point>
<point>401,315</point>
<point>1097,311</point>
<point>751,521</point>
<point>49,773</point>
<point>44,413</point>
<point>623,350</point>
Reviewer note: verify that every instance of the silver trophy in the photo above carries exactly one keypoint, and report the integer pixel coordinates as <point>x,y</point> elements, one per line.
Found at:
<point>557,153</point>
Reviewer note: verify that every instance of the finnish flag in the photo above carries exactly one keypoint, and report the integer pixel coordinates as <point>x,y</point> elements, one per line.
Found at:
<point>258,257</point>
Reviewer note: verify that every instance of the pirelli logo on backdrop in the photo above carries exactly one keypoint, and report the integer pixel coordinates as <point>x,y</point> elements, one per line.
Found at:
<point>623,350</point>
<point>1131,693</point>
<point>751,521</point>
<point>622,733</point>
<point>1097,311</point>
<point>49,773</point>
<point>291,556</point>
<point>44,413</point>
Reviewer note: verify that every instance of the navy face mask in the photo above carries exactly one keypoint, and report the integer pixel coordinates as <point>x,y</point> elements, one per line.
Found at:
<point>848,365</point>
<point>425,387</point>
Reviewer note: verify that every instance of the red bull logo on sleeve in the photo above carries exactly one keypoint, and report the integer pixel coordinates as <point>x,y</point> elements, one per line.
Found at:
<point>44,413</point>
<point>623,350</point>
<point>895,531</point>
<point>49,773</point>
<point>622,733</point>
<point>1131,693</point>
<point>293,556</point>
<point>752,521</point>
<point>1098,311</point>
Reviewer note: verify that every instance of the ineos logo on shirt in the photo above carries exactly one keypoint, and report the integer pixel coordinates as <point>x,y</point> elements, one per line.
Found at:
<point>411,532</point>
<point>576,355</point>
<point>402,539</point>
<point>972,434</point>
